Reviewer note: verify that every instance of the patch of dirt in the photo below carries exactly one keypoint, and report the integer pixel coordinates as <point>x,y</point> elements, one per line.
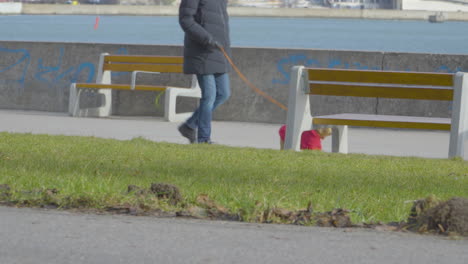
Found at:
<point>208,209</point>
<point>5,191</point>
<point>137,210</point>
<point>419,207</point>
<point>167,191</point>
<point>429,215</point>
<point>44,198</point>
<point>299,217</point>
<point>80,202</point>
<point>335,218</point>
<point>448,217</point>
<point>163,191</point>
<point>138,190</point>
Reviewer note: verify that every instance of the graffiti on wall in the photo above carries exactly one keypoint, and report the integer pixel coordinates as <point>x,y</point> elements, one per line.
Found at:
<point>52,72</point>
<point>20,69</point>
<point>447,69</point>
<point>20,64</point>
<point>57,72</point>
<point>284,65</point>
<point>120,51</point>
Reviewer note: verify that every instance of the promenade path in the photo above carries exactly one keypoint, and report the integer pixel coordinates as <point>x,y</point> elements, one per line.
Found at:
<point>33,236</point>
<point>428,144</point>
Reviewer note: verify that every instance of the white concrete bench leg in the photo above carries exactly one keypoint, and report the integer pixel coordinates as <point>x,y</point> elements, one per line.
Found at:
<point>459,126</point>
<point>340,139</point>
<point>73,100</point>
<point>299,118</point>
<point>74,103</point>
<point>170,101</point>
<point>105,109</point>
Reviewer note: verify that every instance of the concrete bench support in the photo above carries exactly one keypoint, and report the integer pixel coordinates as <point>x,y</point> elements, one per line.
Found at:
<point>459,126</point>
<point>170,101</point>
<point>340,139</point>
<point>103,77</point>
<point>299,117</point>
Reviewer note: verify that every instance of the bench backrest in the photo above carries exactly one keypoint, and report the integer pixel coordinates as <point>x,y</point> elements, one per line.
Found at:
<point>367,83</point>
<point>130,63</point>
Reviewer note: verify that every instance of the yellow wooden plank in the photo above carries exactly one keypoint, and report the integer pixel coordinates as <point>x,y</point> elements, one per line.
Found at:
<point>120,87</point>
<point>384,77</point>
<point>380,123</point>
<point>427,93</point>
<point>128,67</point>
<point>144,59</point>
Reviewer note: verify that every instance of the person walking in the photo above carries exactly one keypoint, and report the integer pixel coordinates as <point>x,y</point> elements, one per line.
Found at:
<point>206,27</point>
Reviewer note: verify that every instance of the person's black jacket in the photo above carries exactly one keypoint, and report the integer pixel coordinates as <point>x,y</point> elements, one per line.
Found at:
<point>203,22</point>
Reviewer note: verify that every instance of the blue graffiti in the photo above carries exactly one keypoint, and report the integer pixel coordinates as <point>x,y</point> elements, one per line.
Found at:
<point>333,63</point>
<point>77,70</point>
<point>284,65</point>
<point>24,57</point>
<point>446,69</point>
<point>74,71</point>
<point>120,51</point>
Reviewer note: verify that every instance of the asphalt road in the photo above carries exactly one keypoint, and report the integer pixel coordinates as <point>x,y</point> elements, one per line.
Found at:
<point>36,236</point>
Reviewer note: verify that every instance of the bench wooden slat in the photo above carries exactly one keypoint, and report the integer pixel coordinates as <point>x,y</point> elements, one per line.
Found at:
<point>127,67</point>
<point>366,76</point>
<point>144,59</point>
<point>388,121</point>
<point>425,93</point>
<point>120,87</point>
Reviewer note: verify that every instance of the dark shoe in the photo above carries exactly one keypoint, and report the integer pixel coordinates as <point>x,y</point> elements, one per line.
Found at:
<point>189,133</point>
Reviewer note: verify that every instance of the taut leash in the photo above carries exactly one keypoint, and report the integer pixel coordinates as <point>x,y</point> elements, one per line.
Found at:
<point>253,87</point>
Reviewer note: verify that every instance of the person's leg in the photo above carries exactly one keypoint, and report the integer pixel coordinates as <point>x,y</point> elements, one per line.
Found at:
<point>223,90</point>
<point>188,129</point>
<point>192,122</point>
<point>215,91</point>
<point>219,94</point>
<point>201,118</point>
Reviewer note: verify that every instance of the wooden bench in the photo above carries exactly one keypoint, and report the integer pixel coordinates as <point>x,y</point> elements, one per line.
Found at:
<point>380,84</point>
<point>133,64</point>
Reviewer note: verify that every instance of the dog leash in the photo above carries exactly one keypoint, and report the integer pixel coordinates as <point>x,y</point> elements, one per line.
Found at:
<point>251,86</point>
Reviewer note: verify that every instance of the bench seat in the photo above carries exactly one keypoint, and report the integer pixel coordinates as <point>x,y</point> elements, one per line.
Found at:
<point>121,87</point>
<point>387,121</point>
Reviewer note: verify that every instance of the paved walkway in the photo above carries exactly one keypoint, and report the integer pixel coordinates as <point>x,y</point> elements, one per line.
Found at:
<point>430,144</point>
<point>32,236</point>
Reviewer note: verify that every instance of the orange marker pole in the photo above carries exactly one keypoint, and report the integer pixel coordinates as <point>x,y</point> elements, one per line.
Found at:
<point>96,24</point>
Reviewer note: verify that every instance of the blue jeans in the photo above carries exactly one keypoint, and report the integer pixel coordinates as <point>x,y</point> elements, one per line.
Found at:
<point>215,90</point>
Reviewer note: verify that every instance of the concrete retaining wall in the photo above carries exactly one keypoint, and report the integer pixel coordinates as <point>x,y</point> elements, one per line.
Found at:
<point>36,76</point>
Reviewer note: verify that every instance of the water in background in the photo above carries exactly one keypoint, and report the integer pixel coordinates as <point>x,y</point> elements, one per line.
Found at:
<point>313,33</point>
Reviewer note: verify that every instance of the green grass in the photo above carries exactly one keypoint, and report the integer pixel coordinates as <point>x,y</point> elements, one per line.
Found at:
<point>375,188</point>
